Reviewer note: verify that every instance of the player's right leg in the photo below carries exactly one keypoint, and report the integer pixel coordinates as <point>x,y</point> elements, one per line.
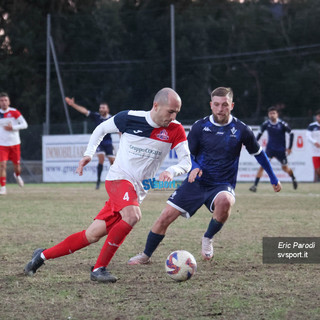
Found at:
<point>185,201</point>
<point>3,169</point>
<point>15,156</point>
<point>69,245</point>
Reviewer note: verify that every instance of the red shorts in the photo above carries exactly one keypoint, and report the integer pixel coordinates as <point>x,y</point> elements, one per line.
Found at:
<point>121,194</point>
<point>316,162</point>
<point>11,153</point>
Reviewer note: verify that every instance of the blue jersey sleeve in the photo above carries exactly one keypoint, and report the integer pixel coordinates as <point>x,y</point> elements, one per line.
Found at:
<point>120,120</point>
<point>250,141</point>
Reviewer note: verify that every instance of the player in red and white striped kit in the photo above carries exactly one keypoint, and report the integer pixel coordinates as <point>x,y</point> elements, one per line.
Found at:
<point>147,138</point>
<point>11,121</point>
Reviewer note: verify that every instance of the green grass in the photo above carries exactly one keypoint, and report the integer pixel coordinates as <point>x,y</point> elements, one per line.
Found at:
<point>236,285</point>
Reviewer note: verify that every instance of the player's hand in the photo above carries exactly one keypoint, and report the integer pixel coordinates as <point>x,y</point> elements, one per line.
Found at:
<point>289,151</point>
<point>69,101</point>
<point>317,144</point>
<point>277,187</point>
<point>193,174</point>
<point>8,127</point>
<point>165,176</point>
<point>82,163</point>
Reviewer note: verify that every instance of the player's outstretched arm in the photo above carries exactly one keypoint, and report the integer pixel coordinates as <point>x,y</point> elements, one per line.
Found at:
<point>265,164</point>
<point>81,109</point>
<point>82,163</point>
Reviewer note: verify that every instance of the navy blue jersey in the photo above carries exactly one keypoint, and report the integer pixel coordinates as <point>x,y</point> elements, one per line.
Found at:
<point>276,134</point>
<point>216,149</point>
<point>98,118</point>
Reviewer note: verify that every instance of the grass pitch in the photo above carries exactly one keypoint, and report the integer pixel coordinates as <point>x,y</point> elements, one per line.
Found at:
<point>236,285</point>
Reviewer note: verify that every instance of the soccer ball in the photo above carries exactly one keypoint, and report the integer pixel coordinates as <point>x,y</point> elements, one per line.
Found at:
<point>181,265</point>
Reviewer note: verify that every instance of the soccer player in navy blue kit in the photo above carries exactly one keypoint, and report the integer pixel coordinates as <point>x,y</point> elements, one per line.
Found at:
<point>276,146</point>
<point>313,135</point>
<point>105,148</point>
<point>215,144</point>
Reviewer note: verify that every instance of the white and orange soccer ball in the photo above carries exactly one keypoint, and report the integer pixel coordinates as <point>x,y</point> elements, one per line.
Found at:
<point>181,265</point>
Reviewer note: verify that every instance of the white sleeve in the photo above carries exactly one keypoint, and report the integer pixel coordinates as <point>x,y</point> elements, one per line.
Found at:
<point>22,124</point>
<point>184,164</point>
<point>97,135</point>
<point>310,138</point>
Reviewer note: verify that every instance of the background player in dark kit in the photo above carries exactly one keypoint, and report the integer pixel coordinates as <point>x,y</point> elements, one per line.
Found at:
<point>276,146</point>
<point>105,148</point>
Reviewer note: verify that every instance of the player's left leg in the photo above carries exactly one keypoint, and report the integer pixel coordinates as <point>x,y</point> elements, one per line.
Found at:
<point>289,171</point>
<point>101,157</point>
<point>124,199</point>
<point>316,165</point>
<point>4,157</point>
<point>3,177</point>
<point>221,207</point>
<point>15,156</point>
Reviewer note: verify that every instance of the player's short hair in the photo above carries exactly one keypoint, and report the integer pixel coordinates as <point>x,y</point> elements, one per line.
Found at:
<point>162,96</point>
<point>3,94</point>
<point>272,108</point>
<point>317,112</point>
<point>222,92</point>
<point>103,102</point>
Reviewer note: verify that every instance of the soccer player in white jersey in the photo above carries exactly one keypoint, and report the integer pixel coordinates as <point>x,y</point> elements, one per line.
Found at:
<point>215,144</point>
<point>147,138</point>
<point>11,121</point>
<point>313,135</point>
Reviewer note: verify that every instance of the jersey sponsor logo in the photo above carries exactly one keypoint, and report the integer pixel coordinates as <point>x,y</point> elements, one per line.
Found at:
<point>220,133</point>
<point>145,152</point>
<point>137,131</point>
<point>163,135</point>
<point>206,129</point>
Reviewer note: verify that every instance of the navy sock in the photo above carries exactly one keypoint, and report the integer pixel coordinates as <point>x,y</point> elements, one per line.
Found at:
<point>152,243</point>
<point>100,167</point>
<point>213,227</point>
<point>256,181</point>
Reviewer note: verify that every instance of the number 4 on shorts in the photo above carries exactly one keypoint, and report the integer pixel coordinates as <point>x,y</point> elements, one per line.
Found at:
<point>126,196</point>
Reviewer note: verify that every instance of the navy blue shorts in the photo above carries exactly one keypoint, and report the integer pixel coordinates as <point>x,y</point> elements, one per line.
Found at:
<point>106,149</point>
<point>189,197</point>
<point>279,155</point>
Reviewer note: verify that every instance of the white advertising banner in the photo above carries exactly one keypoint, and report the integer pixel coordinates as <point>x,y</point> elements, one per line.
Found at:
<point>61,155</point>
<point>300,160</point>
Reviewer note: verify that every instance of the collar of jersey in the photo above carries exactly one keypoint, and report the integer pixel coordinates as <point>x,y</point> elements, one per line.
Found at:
<point>274,123</point>
<point>218,124</point>
<point>150,121</point>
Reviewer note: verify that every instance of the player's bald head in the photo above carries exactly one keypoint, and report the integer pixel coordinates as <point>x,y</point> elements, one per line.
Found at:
<point>167,96</point>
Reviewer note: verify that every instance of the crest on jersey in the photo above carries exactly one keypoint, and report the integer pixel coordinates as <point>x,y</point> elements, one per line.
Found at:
<point>163,135</point>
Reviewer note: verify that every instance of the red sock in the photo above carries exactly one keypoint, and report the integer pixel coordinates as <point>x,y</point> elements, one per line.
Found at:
<point>2,181</point>
<point>69,245</point>
<point>114,240</point>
